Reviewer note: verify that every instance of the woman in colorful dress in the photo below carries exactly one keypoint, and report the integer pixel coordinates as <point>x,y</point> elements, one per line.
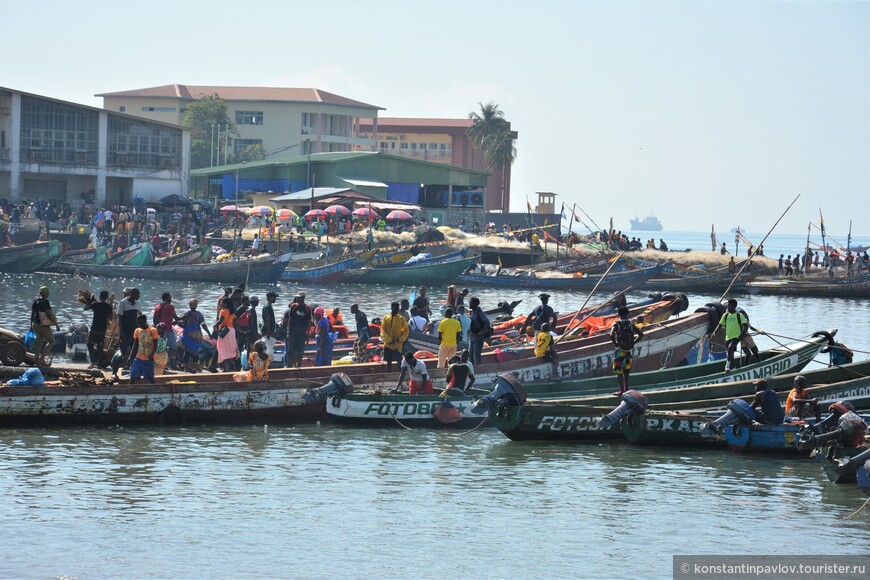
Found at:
<point>227,347</point>
<point>161,355</point>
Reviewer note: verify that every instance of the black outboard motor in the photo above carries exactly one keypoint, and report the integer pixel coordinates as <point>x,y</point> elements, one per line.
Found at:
<point>739,412</point>
<point>850,464</point>
<point>842,427</point>
<point>633,404</point>
<point>339,385</point>
<point>508,392</point>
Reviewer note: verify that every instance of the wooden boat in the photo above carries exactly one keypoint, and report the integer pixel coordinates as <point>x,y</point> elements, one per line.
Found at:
<point>319,272</point>
<point>138,255</point>
<point>486,276</point>
<point>29,258</point>
<point>96,255</point>
<point>779,439</point>
<point>416,411</point>
<point>790,358</point>
<point>262,268</point>
<point>856,287</point>
<point>670,429</point>
<point>424,274</point>
<point>200,254</point>
<point>578,419</point>
<point>459,254</point>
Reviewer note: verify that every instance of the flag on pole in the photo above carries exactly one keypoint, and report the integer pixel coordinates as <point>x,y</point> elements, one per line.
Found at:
<point>822,221</point>
<point>529,205</point>
<point>562,212</point>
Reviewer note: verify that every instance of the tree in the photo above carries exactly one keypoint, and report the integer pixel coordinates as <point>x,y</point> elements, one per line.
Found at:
<point>203,117</point>
<point>250,153</point>
<point>490,133</point>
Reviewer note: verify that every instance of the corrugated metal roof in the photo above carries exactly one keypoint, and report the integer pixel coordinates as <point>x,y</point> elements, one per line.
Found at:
<point>384,122</point>
<point>229,93</point>
<point>305,194</point>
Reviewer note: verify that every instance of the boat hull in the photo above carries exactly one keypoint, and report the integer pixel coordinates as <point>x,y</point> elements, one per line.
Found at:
<point>613,281</point>
<point>425,274</point>
<point>387,410</point>
<point>840,288</point>
<point>325,274</point>
<point>29,258</point>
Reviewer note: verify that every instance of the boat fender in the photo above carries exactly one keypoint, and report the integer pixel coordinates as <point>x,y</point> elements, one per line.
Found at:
<point>711,314</point>
<point>739,413</point>
<point>508,392</point>
<point>828,335</point>
<point>338,386</point>
<point>850,464</point>
<point>633,403</point>
<point>680,304</point>
<point>656,296</point>
<point>719,308</point>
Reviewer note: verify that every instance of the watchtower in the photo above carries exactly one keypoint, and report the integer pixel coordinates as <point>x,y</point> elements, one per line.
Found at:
<point>546,202</point>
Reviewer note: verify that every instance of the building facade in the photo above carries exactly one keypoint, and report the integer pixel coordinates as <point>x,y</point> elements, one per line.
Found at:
<point>66,152</point>
<point>440,141</point>
<point>281,120</point>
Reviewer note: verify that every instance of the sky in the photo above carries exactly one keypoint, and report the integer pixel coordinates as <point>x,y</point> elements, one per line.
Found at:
<point>704,113</point>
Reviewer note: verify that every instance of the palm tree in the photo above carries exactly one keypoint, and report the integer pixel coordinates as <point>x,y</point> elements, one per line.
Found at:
<point>500,151</point>
<point>488,126</point>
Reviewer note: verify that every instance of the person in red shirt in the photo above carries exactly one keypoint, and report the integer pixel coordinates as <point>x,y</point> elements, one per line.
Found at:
<point>165,313</point>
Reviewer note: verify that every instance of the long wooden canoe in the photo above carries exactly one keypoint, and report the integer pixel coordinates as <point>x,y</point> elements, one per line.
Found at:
<point>425,274</point>
<point>29,258</point>
<point>614,280</point>
<point>216,397</point>
<point>263,268</point>
<point>200,254</point>
<point>857,287</point>
<point>318,272</point>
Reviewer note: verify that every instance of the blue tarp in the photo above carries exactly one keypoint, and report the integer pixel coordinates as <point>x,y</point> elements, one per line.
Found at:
<point>405,192</point>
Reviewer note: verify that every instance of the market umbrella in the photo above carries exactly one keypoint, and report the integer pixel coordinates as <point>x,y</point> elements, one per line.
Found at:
<point>260,210</point>
<point>399,215</point>
<point>174,199</point>
<point>315,214</point>
<point>229,208</point>
<point>366,212</point>
<point>285,215</point>
<point>337,210</point>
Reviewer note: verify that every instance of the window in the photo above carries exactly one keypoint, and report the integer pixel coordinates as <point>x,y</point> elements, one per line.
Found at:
<point>142,144</point>
<point>433,146</point>
<point>58,133</point>
<point>240,144</point>
<point>249,117</point>
<point>122,108</point>
<point>403,145</point>
<point>414,146</point>
<point>157,109</point>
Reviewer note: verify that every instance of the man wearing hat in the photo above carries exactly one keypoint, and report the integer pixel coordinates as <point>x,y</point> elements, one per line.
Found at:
<point>41,320</point>
<point>542,314</point>
<point>270,327</point>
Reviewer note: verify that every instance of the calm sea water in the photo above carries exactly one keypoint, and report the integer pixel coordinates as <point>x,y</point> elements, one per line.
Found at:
<point>319,501</point>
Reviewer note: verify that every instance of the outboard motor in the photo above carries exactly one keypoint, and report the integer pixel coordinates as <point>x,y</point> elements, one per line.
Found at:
<point>508,392</point>
<point>633,404</point>
<point>850,464</point>
<point>842,427</point>
<point>339,385</point>
<point>739,412</point>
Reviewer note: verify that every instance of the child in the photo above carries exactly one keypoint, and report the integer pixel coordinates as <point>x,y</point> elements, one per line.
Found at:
<point>544,349</point>
<point>161,356</point>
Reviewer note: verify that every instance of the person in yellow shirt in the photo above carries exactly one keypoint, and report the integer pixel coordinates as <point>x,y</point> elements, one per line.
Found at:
<point>449,334</point>
<point>545,349</point>
<point>394,333</point>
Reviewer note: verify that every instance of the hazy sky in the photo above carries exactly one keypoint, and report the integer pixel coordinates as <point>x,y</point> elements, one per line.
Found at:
<point>702,112</point>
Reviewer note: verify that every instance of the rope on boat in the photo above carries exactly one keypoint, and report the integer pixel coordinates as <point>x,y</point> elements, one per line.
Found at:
<point>393,416</point>
<point>858,511</point>
<point>470,431</point>
<point>789,338</point>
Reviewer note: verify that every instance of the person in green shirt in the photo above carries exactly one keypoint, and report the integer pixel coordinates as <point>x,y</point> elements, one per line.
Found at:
<point>736,327</point>
<point>382,225</point>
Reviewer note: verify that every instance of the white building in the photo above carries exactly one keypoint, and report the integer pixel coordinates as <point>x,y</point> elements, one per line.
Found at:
<point>61,151</point>
<point>279,119</point>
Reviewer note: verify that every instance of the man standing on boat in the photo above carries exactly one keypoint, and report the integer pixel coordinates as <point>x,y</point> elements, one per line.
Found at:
<point>624,334</point>
<point>542,314</point>
<point>736,327</point>
<point>297,322</point>
<point>42,318</point>
<point>143,351</point>
<point>449,334</point>
<point>270,326</point>
<point>362,326</point>
<point>394,333</point>
<point>480,329</point>
<point>128,313</point>
<point>422,304</point>
<point>100,323</point>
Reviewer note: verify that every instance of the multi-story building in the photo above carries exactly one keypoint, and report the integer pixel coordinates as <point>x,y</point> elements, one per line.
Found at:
<point>61,151</point>
<point>440,141</point>
<point>286,120</point>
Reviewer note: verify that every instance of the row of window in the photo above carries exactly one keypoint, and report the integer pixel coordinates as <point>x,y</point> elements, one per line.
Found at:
<point>414,146</point>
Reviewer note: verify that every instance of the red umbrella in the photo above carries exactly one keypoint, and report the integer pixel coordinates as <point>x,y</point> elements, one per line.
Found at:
<point>229,208</point>
<point>315,214</point>
<point>366,213</point>
<point>399,215</point>
<point>337,210</point>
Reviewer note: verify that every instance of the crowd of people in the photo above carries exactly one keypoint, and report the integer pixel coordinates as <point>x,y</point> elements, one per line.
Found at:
<point>803,263</point>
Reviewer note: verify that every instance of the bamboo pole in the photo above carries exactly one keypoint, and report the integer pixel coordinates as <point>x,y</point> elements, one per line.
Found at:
<point>597,284</point>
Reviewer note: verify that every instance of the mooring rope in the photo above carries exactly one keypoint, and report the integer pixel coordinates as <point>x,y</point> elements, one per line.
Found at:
<point>858,511</point>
